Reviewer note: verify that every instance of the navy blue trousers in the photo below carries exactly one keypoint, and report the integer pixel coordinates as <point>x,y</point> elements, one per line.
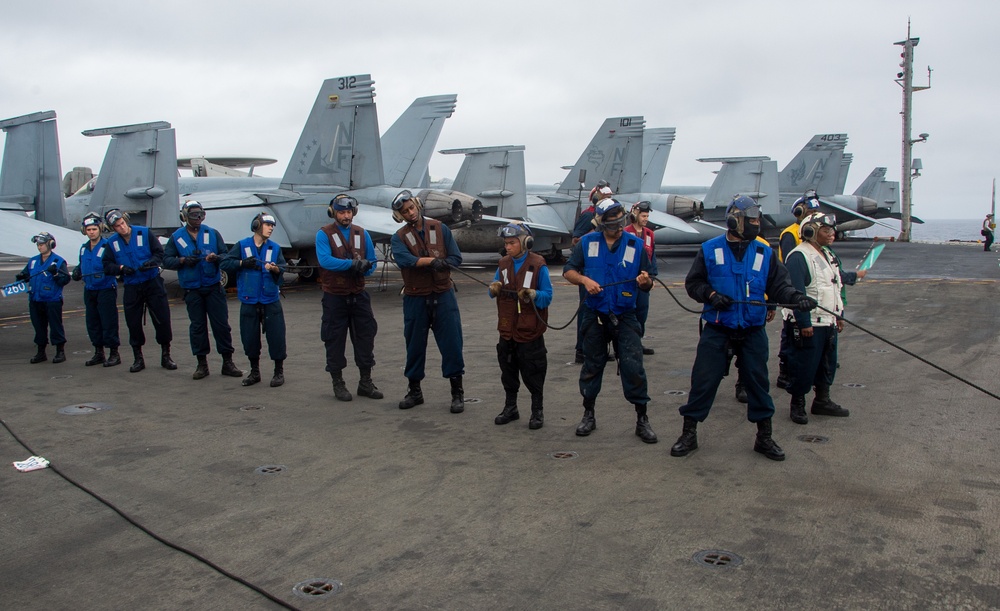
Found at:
<point>598,330</point>
<point>526,359</point>
<point>814,362</point>
<point>153,296</point>
<point>102,317</point>
<point>345,315</point>
<point>710,366</point>
<point>207,305</point>
<point>436,312</point>
<point>252,317</point>
<point>46,318</point>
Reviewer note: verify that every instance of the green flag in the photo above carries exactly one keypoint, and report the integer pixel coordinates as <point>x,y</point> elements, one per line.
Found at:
<point>869,259</point>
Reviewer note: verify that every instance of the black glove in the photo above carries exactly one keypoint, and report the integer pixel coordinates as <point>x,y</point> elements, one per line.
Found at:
<point>249,263</point>
<point>361,266</point>
<point>22,276</point>
<point>191,261</point>
<point>149,264</point>
<point>53,269</point>
<point>805,303</point>
<point>127,271</point>
<point>721,302</point>
<point>440,265</point>
<point>77,274</point>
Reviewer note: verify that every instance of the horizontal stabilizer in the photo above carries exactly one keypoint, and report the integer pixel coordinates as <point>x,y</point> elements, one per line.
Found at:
<point>659,219</point>
<point>19,229</point>
<point>537,229</point>
<point>842,213</point>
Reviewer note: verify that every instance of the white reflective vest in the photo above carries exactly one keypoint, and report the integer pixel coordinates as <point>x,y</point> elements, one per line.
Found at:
<point>824,286</point>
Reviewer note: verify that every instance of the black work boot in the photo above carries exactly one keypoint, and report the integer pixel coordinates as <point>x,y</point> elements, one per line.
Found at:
<point>98,357</point>
<point>165,361</point>
<point>60,353</point>
<point>366,387</point>
<point>457,395</point>
<point>113,358</point>
<point>647,351</point>
<point>254,376</point>
<point>509,413</point>
<point>279,374</point>
<point>798,410</point>
<point>414,396</point>
<point>688,441</point>
<point>741,391</point>
<point>537,419</point>
<point>764,444</point>
<point>339,387</point>
<point>138,363</point>
<point>40,355</point>
<point>201,371</point>
<point>642,429</point>
<point>783,380</point>
<point>229,367</point>
<point>823,405</point>
<point>588,424</point>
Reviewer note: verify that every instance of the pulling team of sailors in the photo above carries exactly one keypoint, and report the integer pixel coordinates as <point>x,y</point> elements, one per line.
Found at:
<point>733,275</point>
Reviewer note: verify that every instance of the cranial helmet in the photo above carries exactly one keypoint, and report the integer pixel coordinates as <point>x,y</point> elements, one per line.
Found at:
<point>342,202</point>
<point>805,204</point>
<point>44,238</point>
<point>643,206</point>
<point>90,219</point>
<point>190,206</point>
<point>520,231</point>
<point>601,191</point>
<point>262,219</point>
<point>810,225</point>
<point>113,216</point>
<point>741,208</point>
<point>606,209</point>
<point>401,198</point>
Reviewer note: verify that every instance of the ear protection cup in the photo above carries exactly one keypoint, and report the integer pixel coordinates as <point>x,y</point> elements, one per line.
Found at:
<point>256,222</point>
<point>527,242</point>
<point>808,232</point>
<point>732,223</point>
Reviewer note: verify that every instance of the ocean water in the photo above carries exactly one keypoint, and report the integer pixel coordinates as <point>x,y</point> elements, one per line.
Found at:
<point>933,230</point>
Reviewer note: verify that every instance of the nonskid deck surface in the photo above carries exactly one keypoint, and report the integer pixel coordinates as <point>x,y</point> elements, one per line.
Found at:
<point>893,507</point>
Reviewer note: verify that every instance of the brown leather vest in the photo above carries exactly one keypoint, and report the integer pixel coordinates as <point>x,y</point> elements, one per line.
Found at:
<point>343,283</point>
<point>516,319</point>
<point>424,280</point>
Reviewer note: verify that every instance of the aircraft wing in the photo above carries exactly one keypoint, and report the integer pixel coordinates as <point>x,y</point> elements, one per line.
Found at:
<point>659,220</point>
<point>842,212</point>
<point>538,229</point>
<point>19,230</point>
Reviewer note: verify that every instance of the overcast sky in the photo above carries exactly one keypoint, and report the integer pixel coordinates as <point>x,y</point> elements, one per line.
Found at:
<point>734,78</point>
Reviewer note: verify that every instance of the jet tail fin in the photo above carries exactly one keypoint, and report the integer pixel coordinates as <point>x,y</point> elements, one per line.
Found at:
<point>408,144</point>
<point>869,185</point>
<point>31,174</point>
<point>614,155</point>
<point>753,176</point>
<point>139,174</point>
<point>495,176</point>
<point>656,144</point>
<point>339,145</point>
<point>845,167</point>
<point>816,166</point>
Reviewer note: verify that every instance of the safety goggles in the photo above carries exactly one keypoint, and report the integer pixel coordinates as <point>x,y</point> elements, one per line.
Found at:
<point>42,238</point>
<point>826,220</point>
<point>400,199</point>
<point>643,206</point>
<point>345,202</point>
<point>513,231</point>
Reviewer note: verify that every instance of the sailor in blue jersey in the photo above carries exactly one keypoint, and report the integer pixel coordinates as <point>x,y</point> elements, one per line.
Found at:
<point>100,294</point>
<point>425,252</point>
<point>523,291</point>
<point>195,250</point>
<point>47,274</point>
<point>612,266</point>
<point>346,257</point>
<point>260,265</point>
<point>584,225</point>
<point>728,272</point>
<point>136,254</point>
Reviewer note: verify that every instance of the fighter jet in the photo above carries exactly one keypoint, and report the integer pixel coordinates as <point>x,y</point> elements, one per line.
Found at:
<point>339,151</point>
